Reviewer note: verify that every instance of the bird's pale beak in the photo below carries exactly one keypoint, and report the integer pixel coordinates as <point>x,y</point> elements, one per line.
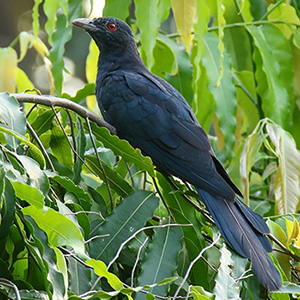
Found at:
<point>84,23</point>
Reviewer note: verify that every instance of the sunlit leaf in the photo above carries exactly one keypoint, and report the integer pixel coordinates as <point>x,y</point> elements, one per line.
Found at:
<point>13,119</point>
<point>23,82</point>
<point>184,13</point>
<point>147,22</point>
<point>60,230</point>
<point>117,9</point>
<point>284,12</point>
<point>199,293</point>
<point>101,270</point>
<point>91,73</point>
<point>29,194</point>
<point>8,69</point>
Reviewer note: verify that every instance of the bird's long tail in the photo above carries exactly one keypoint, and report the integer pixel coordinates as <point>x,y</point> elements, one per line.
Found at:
<point>244,231</point>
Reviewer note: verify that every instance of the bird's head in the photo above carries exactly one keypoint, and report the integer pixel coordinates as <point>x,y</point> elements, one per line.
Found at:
<point>109,33</point>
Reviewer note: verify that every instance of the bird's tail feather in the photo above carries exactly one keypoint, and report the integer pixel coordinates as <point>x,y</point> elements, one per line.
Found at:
<point>244,231</point>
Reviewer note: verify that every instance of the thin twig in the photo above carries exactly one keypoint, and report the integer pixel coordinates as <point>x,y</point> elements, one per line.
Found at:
<point>136,233</point>
<point>44,151</point>
<point>137,260</point>
<point>10,284</point>
<point>192,264</point>
<point>197,207</point>
<point>130,175</point>
<point>70,144</point>
<point>96,237</point>
<point>162,197</point>
<point>100,163</point>
<point>72,133</point>
<point>75,257</point>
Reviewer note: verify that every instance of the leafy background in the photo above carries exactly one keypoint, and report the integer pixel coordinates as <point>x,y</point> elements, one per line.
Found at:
<point>85,216</point>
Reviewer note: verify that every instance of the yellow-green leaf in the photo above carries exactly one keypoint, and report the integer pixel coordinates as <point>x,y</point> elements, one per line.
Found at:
<point>101,270</point>
<point>184,14</point>
<point>91,73</point>
<point>59,229</point>
<point>30,194</point>
<point>8,69</point>
<point>284,12</point>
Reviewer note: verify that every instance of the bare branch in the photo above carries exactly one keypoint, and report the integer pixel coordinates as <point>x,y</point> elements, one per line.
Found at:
<point>62,102</point>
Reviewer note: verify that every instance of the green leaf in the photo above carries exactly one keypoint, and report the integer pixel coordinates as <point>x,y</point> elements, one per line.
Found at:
<point>272,90</point>
<point>101,270</point>
<point>12,118</point>
<point>7,205</point>
<point>164,59</point>
<point>29,194</point>
<point>224,93</point>
<point>59,229</point>
<point>116,181</point>
<point>184,213</point>
<point>249,156</point>
<point>80,277</point>
<point>37,177</point>
<point>83,197</point>
<point>246,80</point>
<point>184,13</point>
<point>81,94</point>
<point>60,147</point>
<point>198,51</point>
<point>123,148</point>
<point>199,293</point>
<point>23,82</point>
<point>50,8</point>
<point>117,9</point>
<point>287,179</point>
<point>42,121</point>
<point>44,271</point>
<point>161,259</point>
<point>283,259</point>
<point>36,152</point>
<point>60,37</point>
<point>129,216</point>
<point>182,77</point>
<point>147,22</point>
<point>35,17</point>
<point>284,12</point>
<point>226,287</point>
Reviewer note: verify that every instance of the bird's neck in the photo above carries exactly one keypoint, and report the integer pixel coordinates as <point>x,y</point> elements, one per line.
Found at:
<point>115,59</point>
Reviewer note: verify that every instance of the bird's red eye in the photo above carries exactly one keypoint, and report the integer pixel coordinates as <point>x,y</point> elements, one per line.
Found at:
<point>111,26</point>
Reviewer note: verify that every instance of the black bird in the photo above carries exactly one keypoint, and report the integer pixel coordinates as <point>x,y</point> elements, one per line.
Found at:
<point>153,116</point>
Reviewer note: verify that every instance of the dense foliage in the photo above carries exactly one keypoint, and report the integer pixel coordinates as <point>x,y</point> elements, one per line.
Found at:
<point>83,215</point>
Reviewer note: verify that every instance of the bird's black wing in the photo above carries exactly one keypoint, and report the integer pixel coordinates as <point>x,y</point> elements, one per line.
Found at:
<point>154,117</point>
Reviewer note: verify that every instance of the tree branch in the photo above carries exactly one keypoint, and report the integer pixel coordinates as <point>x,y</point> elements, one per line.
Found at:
<point>65,103</point>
